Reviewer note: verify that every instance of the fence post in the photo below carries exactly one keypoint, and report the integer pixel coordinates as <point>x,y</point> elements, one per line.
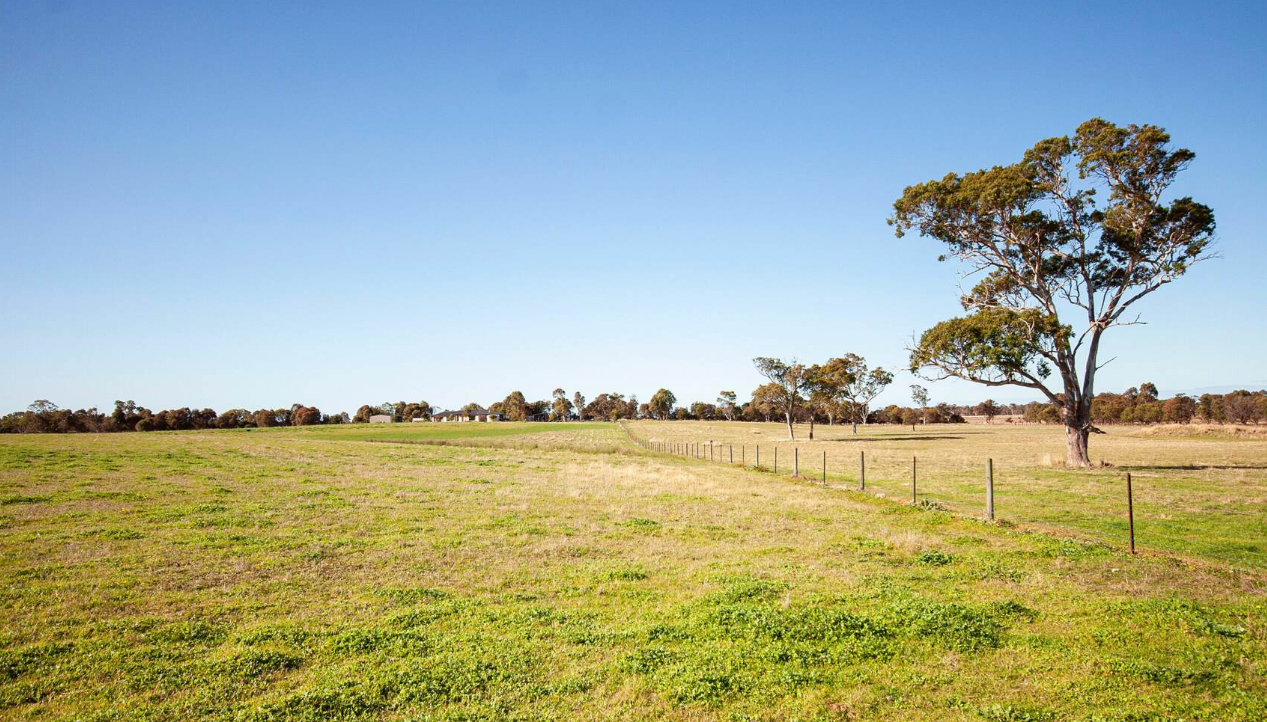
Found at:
<point>732,454</point>
<point>796,461</point>
<point>862,471</point>
<point>1130,511</point>
<point>989,489</point>
<point>914,497</point>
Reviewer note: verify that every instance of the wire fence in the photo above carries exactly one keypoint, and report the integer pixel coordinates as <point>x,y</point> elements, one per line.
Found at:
<point>1101,507</point>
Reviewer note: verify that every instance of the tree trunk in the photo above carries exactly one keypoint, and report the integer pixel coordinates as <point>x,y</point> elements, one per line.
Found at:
<point>811,427</point>
<point>791,435</point>
<point>1076,440</point>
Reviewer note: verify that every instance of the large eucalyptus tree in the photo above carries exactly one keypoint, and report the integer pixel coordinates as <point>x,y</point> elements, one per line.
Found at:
<point>1050,251</point>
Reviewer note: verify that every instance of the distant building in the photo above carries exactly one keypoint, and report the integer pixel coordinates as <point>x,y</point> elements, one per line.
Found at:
<point>380,419</point>
<point>473,415</point>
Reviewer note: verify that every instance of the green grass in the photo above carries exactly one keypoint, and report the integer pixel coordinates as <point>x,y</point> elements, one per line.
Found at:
<point>439,432</point>
<point>1199,494</point>
<point>562,574</point>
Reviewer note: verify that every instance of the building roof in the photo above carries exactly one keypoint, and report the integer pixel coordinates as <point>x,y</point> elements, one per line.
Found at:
<point>476,412</point>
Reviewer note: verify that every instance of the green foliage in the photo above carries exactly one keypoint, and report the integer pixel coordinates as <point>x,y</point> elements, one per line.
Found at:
<point>1041,240</point>
<point>643,525</point>
<point>934,558</point>
<point>993,345</point>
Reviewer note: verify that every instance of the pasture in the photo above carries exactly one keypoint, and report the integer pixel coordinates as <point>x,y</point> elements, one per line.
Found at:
<point>1198,490</point>
<point>524,572</point>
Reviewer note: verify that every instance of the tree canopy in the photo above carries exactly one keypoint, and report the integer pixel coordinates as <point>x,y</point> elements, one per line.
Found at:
<point>1079,228</point>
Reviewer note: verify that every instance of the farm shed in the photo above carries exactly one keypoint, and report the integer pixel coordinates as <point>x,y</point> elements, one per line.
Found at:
<point>380,419</point>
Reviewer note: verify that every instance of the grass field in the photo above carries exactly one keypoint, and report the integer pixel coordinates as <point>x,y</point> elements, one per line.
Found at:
<point>517,572</point>
<point>1194,492</point>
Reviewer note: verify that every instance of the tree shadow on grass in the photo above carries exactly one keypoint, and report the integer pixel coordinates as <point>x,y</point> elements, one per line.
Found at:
<point>909,437</point>
<point>1194,467</point>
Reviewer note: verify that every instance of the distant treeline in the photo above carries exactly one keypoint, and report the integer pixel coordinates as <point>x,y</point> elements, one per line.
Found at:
<point>1135,406</point>
<point>45,417</point>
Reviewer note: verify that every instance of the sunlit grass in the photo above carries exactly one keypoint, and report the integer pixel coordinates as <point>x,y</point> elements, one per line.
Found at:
<point>311,575</point>
<point>1203,494</point>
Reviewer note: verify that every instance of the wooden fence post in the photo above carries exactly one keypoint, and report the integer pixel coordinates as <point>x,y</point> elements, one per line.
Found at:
<point>989,489</point>
<point>732,454</point>
<point>1130,512</point>
<point>862,471</point>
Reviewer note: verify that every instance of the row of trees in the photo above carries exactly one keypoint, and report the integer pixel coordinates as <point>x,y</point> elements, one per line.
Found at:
<point>840,390</point>
<point>399,411</point>
<point>1142,406</point>
<point>44,416</point>
<point>841,387</point>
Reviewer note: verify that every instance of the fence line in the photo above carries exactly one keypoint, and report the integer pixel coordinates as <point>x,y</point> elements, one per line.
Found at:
<point>694,451</point>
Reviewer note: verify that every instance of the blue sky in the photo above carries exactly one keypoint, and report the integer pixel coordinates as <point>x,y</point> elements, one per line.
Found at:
<point>254,204</point>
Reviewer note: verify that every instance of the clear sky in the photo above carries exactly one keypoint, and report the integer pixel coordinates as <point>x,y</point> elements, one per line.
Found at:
<point>254,204</point>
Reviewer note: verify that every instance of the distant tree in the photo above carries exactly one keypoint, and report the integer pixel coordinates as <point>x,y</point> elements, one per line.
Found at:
<point>608,407</point>
<point>578,403</point>
<point>146,424</point>
<point>363,414</point>
<point>821,393</point>
<point>910,417</point>
<point>615,407</point>
<point>305,416</point>
<point>726,404</point>
<point>515,407</point>
<point>661,404</point>
<point>790,380</point>
<point>1043,245</point>
<point>701,410</point>
<point>863,385</point>
<point>893,414</point>
<point>988,409</point>
<point>1179,409</point>
<point>408,411</point>
<point>472,408</point>
<point>1210,406</point>
<point>264,418</point>
<point>765,401</point>
<point>1240,407</point>
<point>42,406</point>
<point>560,407</point>
<point>919,395</point>
<point>233,419</point>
